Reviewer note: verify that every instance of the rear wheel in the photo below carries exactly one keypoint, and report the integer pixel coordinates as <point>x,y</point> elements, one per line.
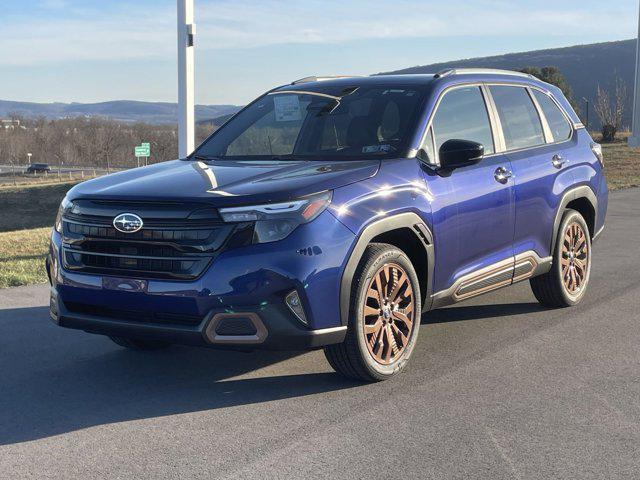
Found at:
<point>384,317</point>
<point>566,283</point>
<point>139,344</point>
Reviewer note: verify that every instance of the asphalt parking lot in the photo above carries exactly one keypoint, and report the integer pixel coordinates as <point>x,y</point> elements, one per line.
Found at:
<point>498,387</point>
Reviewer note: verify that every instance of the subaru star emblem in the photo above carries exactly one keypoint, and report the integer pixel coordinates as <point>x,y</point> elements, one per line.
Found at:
<point>127,222</point>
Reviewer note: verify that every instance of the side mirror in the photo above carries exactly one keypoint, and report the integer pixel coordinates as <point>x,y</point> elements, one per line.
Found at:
<point>460,153</point>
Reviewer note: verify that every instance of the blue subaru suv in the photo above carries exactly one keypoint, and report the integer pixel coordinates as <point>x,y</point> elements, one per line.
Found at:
<point>332,213</point>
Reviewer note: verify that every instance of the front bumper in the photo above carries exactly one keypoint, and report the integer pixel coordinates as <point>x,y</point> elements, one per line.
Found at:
<point>251,281</point>
<point>280,332</point>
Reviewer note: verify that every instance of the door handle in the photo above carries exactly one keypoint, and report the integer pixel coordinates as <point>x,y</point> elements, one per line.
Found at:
<point>502,175</point>
<point>558,161</point>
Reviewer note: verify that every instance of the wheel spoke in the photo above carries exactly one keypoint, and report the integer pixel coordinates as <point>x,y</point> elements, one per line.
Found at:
<point>389,349</point>
<point>371,293</point>
<point>573,278</point>
<point>396,289</point>
<point>378,280</point>
<point>368,311</point>
<point>373,328</point>
<point>401,334</point>
<point>397,315</point>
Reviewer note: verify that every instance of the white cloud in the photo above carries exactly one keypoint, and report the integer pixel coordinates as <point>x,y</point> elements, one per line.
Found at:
<point>138,32</point>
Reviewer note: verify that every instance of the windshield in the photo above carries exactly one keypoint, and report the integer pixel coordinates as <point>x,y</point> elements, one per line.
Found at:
<point>360,122</point>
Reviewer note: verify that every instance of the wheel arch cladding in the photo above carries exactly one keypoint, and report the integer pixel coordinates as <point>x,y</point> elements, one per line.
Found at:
<point>406,231</point>
<point>583,200</point>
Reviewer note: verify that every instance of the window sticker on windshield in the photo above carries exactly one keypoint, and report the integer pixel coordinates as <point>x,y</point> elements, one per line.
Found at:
<point>377,148</point>
<point>287,108</point>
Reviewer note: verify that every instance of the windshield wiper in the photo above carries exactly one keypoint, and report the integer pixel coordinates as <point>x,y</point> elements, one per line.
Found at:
<point>204,158</point>
<point>285,157</point>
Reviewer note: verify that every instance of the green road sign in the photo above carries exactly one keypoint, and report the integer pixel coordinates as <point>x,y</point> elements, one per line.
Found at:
<point>148,145</point>
<point>142,151</point>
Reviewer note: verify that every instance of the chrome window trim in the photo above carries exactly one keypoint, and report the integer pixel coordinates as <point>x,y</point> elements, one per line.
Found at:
<point>502,148</point>
<point>429,127</point>
<point>496,123</point>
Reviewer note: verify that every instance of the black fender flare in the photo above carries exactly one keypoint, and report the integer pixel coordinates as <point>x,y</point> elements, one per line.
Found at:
<point>408,220</point>
<point>569,196</point>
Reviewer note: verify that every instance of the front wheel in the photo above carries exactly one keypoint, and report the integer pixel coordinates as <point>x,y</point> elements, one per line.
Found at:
<point>566,283</point>
<point>384,317</point>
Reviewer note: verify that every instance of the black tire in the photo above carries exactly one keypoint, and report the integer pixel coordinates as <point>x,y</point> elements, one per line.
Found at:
<point>353,358</point>
<point>139,344</point>
<point>550,289</point>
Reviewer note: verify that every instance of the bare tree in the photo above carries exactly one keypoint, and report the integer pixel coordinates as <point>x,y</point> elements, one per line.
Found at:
<point>81,141</point>
<point>610,115</point>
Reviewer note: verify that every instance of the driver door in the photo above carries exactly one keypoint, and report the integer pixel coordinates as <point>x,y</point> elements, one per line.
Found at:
<point>473,206</point>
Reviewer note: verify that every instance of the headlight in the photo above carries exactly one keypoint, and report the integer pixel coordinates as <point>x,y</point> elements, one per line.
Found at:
<point>64,206</point>
<point>275,221</point>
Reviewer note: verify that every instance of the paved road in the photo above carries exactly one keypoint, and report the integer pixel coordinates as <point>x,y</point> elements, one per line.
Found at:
<point>54,169</point>
<point>498,388</point>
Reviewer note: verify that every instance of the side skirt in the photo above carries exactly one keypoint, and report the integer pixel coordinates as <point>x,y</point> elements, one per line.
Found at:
<point>501,274</point>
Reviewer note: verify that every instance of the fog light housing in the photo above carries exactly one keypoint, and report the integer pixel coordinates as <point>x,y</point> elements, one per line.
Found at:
<point>295,305</point>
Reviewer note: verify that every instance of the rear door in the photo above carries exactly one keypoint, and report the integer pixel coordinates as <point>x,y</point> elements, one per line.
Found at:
<point>473,207</point>
<point>537,139</point>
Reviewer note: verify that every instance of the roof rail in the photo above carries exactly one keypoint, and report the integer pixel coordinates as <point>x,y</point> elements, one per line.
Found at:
<point>315,78</point>
<point>471,71</point>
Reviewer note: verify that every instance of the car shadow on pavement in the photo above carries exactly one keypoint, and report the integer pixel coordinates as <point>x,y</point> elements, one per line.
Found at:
<point>479,312</point>
<point>55,380</point>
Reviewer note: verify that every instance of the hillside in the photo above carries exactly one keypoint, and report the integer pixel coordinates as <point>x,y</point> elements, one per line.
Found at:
<point>124,110</point>
<point>584,66</point>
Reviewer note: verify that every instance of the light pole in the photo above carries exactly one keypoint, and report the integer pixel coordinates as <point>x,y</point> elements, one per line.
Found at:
<point>186,120</point>
<point>634,139</point>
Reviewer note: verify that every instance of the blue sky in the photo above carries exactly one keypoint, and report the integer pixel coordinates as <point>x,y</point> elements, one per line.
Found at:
<point>96,50</point>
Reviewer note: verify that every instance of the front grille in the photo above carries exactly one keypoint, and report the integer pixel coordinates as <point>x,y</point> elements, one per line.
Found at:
<point>133,315</point>
<point>176,242</point>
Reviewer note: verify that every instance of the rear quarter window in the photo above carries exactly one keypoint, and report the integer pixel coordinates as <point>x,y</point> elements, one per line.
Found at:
<point>521,124</point>
<point>558,123</point>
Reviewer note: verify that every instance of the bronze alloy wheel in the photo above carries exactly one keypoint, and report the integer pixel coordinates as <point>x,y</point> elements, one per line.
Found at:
<point>389,312</point>
<point>575,258</point>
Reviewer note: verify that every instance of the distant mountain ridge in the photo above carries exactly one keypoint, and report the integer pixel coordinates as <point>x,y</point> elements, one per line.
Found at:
<point>128,111</point>
<point>584,66</point>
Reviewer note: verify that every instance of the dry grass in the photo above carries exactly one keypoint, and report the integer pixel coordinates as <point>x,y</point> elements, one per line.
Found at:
<point>621,165</point>
<point>22,255</point>
<point>8,179</point>
<point>31,206</point>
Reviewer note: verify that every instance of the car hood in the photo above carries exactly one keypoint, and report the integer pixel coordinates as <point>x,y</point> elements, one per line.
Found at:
<point>226,182</point>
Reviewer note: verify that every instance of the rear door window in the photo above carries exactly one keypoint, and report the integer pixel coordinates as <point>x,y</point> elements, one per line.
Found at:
<point>521,124</point>
<point>462,114</point>
<point>558,124</point>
